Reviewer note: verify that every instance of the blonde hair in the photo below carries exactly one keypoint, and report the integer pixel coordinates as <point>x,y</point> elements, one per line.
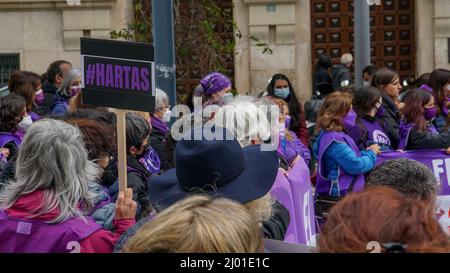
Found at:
<point>199,224</point>
<point>261,208</point>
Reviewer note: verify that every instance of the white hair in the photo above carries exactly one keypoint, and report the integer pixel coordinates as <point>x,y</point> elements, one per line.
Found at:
<point>244,120</point>
<point>347,59</point>
<point>161,99</point>
<point>53,159</point>
<point>69,79</point>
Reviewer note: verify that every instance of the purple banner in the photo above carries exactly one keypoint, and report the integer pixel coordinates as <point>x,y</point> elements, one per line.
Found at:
<point>439,163</point>
<point>294,191</point>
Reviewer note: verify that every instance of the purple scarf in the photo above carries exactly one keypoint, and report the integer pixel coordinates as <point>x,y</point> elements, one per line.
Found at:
<point>159,125</point>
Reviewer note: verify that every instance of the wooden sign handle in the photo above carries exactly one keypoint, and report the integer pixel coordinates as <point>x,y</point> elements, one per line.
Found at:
<point>121,149</point>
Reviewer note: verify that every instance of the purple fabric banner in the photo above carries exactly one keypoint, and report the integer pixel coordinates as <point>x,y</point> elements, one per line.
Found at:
<point>295,193</point>
<point>439,163</point>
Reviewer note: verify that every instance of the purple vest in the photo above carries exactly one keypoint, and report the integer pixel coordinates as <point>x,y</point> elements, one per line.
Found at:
<point>29,236</point>
<point>300,181</point>
<point>405,130</point>
<point>34,116</point>
<point>323,184</point>
<point>281,190</point>
<point>375,133</point>
<point>8,137</point>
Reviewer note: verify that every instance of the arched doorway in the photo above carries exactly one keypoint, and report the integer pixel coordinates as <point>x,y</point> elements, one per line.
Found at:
<point>393,42</point>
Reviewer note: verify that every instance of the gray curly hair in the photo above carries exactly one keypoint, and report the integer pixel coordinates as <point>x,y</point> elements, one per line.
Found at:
<point>53,158</point>
<point>410,177</point>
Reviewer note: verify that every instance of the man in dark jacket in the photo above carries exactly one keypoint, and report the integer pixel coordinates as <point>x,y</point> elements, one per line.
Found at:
<point>341,73</point>
<point>52,80</point>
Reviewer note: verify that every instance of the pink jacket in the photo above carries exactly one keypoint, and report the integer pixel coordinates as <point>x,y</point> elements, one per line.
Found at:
<point>101,241</point>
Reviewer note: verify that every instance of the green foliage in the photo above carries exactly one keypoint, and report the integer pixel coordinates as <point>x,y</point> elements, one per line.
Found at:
<point>205,38</point>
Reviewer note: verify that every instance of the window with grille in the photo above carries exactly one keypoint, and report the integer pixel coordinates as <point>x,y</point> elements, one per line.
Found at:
<point>8,63</point>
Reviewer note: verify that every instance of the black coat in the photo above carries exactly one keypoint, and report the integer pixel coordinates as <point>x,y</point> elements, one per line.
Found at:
<point>137,180</point>
<point>160,142</point>
<point>321,75</point>
<point>391,119</point>
<point>341,73</point>
<point>275,228</point>
<point>426,141</point>
<point>49,90</point>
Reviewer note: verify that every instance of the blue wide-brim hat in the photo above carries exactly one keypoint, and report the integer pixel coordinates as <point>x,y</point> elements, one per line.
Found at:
<point>215,167</point>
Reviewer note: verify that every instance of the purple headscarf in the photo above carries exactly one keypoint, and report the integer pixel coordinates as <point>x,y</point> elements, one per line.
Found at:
<point>215,82</point>
<point>426,87</point>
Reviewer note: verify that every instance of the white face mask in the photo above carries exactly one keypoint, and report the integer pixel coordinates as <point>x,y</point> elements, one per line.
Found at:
<point>26,123</point>
<point>167,115</point>
<point>366,83</point>
<point>227,97</point>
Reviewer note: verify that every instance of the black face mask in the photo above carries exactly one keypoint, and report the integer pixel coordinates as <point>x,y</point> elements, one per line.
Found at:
<point>110,174</point>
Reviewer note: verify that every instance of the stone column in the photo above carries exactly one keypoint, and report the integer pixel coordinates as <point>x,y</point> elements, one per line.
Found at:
<point>242,49</point>
<point>303,87</point>
<point>122,14</point>
<point>425,36</point>
<point>441,33</point>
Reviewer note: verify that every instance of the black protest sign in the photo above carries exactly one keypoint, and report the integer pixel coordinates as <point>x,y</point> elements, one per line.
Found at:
<point>118,74</point>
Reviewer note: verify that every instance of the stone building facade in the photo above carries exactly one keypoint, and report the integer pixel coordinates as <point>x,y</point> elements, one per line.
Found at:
<point>41,31</point>
<point>286,25</point>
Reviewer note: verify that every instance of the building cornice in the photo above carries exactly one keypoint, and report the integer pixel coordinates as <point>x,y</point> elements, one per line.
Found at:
<point>269,1</point>
<point>18,5</point>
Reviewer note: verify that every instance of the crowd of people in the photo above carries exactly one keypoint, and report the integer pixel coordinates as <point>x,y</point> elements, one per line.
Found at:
<point>59,188</point>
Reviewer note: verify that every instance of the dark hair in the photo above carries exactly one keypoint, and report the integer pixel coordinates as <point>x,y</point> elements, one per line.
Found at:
<point>295,109</point>
<point>11,108</point>
<point>98,138</point>
<point>438,79</point>
<point>54,69</point>
<point>384,76</point>
<point>24,83</point>
<point>421,80</point>
<point>365,100</point>
<point>370,69</point>
<point>137,130</point>
<point>192,93</point>
<point>324,61</point>
<point>415,100</point>
<point>410,177</point>
<point>94,114</point>
<point>383,215</point>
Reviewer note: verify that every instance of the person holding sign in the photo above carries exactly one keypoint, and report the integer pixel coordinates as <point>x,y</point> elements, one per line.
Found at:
<point>142,161</point>
<point>45,209</point>
<point>417,131</point>
<point>341,164</point>
<point>70,87</point>
<point>369,129</point>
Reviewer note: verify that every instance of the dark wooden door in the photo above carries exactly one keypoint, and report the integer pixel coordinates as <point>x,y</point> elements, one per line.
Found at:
<point>392,33</point>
